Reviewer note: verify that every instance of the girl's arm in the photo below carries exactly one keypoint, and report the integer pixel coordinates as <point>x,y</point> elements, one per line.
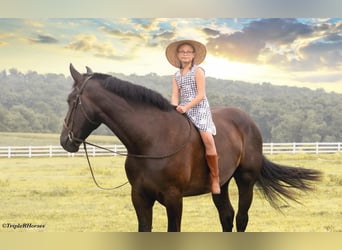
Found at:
<point>175,93</point>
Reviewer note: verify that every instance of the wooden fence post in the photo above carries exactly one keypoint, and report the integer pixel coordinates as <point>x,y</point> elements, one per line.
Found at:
<point>317,148</point>
<point>294,148</point>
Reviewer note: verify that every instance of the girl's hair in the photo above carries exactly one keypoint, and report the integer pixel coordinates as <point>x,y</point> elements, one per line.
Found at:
<point>194,50</point>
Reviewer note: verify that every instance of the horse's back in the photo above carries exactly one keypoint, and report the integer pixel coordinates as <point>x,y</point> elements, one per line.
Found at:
<point>232,120</point>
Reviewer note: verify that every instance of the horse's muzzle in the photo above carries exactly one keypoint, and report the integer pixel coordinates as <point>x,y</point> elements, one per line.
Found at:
<point>68,143</point>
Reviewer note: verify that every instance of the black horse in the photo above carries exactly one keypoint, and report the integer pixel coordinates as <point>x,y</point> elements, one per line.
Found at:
<point>166,158</point>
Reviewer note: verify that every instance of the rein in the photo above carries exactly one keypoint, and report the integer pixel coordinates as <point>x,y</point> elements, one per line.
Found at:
<point>72,138</point>
<point>92,172</point>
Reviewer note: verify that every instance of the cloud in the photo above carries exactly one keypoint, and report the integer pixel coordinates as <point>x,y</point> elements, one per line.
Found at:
<point>168,35</point>
<point>4,37</point>
<point>90,43</point>
<point>281,42</point>
<point>278,31</point>
<point>45,39</point>
<point>211,32</point>
<point>122,35</point>
<point>139,33</point>
<point>247,44</point>
<point>323,55</point>
<point>148,24</point>
<point>34,23</point>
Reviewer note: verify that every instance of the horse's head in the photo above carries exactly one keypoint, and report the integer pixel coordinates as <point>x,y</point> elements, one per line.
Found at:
<point>80,119</point>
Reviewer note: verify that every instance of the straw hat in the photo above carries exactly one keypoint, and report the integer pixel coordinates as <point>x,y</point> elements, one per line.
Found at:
<point>171,52</point>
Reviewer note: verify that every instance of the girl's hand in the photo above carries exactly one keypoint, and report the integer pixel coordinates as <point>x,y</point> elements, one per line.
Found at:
<point>181,109</point>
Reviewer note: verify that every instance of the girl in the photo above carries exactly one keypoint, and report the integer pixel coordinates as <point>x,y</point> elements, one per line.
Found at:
<point>189,97</point>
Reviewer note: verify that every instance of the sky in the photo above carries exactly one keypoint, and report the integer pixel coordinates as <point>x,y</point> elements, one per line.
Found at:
<point>296,51</point>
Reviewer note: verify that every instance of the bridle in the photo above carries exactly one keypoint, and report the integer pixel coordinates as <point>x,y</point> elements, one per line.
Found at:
<point>69,120</point>
<point>69,124</point>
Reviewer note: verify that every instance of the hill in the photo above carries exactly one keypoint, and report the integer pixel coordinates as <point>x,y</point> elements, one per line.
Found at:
<point>35,102</point>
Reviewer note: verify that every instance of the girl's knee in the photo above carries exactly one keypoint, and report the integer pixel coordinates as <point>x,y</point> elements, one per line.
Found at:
<point>209,143</point>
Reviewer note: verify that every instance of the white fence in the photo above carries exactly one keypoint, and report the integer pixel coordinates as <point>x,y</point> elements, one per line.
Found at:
<point>302,147</point>
<point>58,151</point>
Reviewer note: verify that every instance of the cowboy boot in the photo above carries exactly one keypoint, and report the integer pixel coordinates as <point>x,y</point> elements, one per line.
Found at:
<point>212,161</point>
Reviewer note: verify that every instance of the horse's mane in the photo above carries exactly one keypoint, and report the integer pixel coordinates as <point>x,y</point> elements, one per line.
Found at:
<point>133,92</point>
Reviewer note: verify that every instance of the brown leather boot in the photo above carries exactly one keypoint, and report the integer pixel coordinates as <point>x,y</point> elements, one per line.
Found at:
<point>212,161</point>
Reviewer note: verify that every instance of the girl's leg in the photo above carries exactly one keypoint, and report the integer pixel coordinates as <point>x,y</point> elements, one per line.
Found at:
<point>209,143</point>
<point>212,160</point>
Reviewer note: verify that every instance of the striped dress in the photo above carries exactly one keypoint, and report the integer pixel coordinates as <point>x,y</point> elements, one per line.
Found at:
<point>199,114</point>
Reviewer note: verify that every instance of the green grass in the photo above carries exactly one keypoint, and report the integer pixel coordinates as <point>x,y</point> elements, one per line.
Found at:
<point>60,194</point>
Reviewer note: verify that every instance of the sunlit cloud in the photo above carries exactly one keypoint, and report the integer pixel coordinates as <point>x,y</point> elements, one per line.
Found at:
<point>89,43</point>
<point>5,35</point>
<point>34,23</point>
<point>120,34</point>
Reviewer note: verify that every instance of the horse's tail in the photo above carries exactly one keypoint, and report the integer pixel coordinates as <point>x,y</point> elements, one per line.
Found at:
<point>278,182</point>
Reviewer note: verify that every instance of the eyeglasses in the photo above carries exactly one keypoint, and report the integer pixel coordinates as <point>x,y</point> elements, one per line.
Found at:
<point>185,52</point>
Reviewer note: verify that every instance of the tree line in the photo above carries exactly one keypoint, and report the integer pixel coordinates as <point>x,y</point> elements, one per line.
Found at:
<point>33,102</point>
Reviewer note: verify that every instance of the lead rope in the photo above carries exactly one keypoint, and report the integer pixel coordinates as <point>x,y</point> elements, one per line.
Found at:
<point>92,172</point>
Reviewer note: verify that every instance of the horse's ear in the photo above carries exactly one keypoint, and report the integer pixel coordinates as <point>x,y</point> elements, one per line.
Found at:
<point>75,74</point>
<point>89,71</point>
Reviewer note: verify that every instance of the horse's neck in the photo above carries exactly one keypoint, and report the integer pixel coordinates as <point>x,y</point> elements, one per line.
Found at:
<point>141,128</point>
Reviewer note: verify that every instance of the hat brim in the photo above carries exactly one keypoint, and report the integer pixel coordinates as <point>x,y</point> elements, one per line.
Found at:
<point>171,52</point>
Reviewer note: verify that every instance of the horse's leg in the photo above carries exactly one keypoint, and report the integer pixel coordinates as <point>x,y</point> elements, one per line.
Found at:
<point>174,207</point>
<point>143,208</point>
<point>245,184</point>
<point>224,208</point>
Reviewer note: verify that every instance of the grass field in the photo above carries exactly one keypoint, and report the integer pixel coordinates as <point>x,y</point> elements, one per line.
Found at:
<point>59,194</point>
